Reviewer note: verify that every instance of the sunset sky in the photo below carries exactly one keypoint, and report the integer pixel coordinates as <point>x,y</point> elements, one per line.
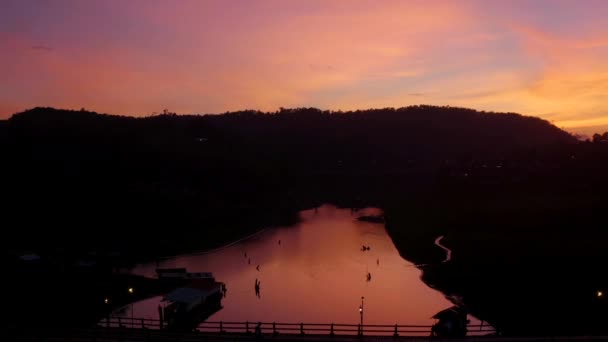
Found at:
<point>136,57</point>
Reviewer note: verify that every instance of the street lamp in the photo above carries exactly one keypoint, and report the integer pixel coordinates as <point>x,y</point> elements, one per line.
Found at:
<point>361,313</point>
<point>130,290</point>
<point>361,310</point>
<point>600,294</point>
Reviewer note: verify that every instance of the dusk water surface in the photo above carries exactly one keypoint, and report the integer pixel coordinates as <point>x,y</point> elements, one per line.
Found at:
<point>316,274</point>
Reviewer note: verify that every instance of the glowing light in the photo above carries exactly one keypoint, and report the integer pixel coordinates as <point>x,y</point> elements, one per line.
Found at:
<point>600,294</point>
<point>130,290</point>
<point>106,300</point>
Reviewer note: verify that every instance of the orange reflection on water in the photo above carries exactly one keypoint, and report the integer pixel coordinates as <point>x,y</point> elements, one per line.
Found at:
<point>316,274</point>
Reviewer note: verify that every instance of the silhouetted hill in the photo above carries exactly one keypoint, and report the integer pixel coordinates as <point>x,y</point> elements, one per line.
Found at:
<point>3,130</point>
<point>384,140</point>
<point>420,125</point>
<point>445,129</point>
<point>111,174</point>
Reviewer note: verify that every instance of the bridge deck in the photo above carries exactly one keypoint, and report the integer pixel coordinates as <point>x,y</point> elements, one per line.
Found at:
<point>148,335</point>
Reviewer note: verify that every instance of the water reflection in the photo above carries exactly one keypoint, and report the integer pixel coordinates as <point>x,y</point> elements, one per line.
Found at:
<point>315,271</point>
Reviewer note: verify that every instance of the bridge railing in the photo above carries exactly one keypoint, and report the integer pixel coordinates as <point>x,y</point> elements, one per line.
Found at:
<point>293,328</point>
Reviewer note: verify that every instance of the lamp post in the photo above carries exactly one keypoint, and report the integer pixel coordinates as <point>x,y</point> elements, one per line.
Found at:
<point>130,290</point>
<point>361,314</point>
<point>106,301</point>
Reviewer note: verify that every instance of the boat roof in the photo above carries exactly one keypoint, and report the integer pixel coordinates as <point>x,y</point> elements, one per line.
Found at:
<point>182,272</point>
<point>183,295</point>
<point>203,284</point>
<point>452,312</point>
<point>193,291</point>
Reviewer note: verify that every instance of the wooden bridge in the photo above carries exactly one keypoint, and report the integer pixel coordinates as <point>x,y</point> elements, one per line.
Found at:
<point>149,330</point>
<point>277,328</point>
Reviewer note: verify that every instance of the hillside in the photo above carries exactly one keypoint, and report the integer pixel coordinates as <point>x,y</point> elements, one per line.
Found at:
<point>303,140</point>
<point>125,175</point>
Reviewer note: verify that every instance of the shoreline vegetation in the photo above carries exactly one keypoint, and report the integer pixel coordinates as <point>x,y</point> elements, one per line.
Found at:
<point>519,201</point>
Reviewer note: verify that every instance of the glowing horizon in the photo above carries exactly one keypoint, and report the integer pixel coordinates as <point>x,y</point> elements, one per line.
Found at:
<point>544,58</point>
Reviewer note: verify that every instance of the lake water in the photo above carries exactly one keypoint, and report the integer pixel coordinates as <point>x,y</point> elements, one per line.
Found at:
<point>316,274</point>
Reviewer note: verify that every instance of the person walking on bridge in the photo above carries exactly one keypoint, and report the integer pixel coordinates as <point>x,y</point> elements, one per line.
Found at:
<point>258,332</point>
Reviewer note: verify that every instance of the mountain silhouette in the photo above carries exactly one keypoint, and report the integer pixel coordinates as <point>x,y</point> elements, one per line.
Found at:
<point>122,175</point>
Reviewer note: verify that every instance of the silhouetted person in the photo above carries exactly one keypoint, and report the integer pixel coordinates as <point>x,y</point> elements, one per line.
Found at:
<point>378,261</point>
<point>279,242</point>
<point>258,332</point>
<point>257,268</point>
<point>369,276</point>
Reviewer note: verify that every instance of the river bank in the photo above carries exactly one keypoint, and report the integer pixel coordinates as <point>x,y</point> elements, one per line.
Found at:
<point>521,268</point>
<point>47,295</point>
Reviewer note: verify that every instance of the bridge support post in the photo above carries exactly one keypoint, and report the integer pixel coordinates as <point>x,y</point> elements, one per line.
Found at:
<point>301,328</point>
<point>274,329</point>
<point>331,332</point>
<point>247,328</point>
<point>396,334</point>
<point>221,327</point>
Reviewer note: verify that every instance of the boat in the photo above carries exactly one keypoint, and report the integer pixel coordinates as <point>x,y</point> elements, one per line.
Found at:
<point>451,322</point>
<point>188,305</point>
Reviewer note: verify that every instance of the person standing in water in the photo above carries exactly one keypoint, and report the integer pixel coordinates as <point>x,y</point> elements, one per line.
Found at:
<point>257,287</point>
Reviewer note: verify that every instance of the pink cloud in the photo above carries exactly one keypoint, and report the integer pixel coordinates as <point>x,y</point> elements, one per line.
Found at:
<point>138,57</point>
